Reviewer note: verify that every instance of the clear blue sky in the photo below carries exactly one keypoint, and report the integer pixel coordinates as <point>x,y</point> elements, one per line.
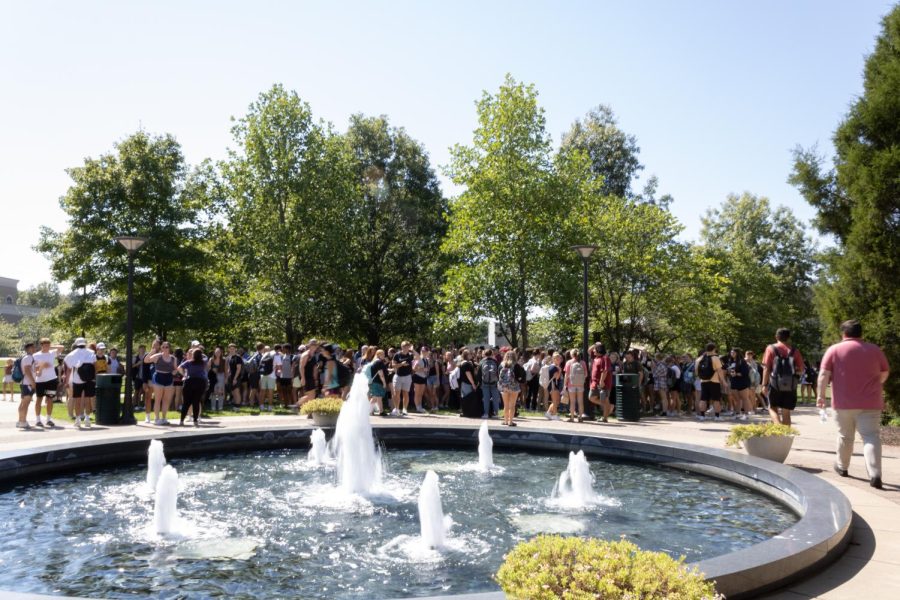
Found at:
<point>717,93</point>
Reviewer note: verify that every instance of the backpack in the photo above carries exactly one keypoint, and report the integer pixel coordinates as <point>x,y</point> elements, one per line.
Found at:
<point>754,376</point>
<point>251,367</point>
<point>87,371</point>
<point>101,366</point>
<point>784,374</point>
<point>489,372</point>
<point>576,374</point>
<point>17,374</point>
<point>267,365</point>
<point>344,374</point>
<point>506,376</point>
<point>687,374</point>
<point>368,372</point>
<point>671,379</point>
<point>544,377</point>
<point>705,369</point>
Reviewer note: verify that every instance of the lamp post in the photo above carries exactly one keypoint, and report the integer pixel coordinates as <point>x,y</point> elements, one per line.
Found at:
<point>585,253</point>
<point>132,244</point>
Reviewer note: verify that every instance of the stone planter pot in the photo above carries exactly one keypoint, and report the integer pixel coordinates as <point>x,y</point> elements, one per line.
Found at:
<point>324,419</point>
<point>771,447</point>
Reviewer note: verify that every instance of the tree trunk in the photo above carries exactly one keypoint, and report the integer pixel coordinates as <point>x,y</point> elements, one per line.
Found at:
<point>523,308</point>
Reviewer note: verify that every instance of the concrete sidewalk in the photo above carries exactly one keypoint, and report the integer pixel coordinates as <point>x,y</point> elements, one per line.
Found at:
<point>869,569</point>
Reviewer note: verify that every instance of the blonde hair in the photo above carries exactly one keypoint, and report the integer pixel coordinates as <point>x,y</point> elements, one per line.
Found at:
<point>509,359</point>
<point>379,353</point>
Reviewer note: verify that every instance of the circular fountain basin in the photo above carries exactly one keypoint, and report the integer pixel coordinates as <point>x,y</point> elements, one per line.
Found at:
<point>740,568</point>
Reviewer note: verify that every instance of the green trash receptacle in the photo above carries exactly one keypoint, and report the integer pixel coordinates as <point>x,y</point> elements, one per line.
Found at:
<point>628,397</point>
<point>108,400</point>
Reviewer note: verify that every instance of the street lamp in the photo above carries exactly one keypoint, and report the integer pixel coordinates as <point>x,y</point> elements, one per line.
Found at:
<point>132,244</point>
<point>585,253</point>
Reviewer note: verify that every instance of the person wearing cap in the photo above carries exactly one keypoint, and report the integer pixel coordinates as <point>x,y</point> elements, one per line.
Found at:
<point>26,387</point>
<point>81,363</point>
<point>46,380</point>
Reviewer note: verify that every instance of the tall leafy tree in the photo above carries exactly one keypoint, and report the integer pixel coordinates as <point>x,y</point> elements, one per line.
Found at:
<point>506,216</point>
<point>769,261</point>
<point>397,226</point>
<point>858,202</point>
<point>143,187</point>
<point>291,182</point>
<point>42,295</point>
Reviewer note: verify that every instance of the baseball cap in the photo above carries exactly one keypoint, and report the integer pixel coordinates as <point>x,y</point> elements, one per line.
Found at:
<point>80,342</point>
<point>101,346</point>
<point>195,343</point>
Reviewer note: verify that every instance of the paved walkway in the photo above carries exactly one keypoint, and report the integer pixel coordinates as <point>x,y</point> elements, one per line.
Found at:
<point>869,569</point>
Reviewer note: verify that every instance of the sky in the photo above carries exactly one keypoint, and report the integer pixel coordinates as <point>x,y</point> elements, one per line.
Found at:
<point>717,93</point>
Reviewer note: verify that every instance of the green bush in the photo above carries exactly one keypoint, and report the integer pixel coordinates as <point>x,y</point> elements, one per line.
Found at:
<point>550,566</point>
<point>739,433</point>
<point>324,406</point>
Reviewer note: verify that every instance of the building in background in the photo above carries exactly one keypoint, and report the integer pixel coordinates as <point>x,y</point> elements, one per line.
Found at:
<point>10,311</point>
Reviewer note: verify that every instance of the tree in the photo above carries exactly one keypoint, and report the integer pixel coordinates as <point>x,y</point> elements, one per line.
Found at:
<point>42,295</point>
<point>613,154</point>
<point>858,202</point>
<point>769,262</point>
<point>10,340</point>
<point>506,216</point>
<point>144,187</point>
<point>291,184</point>
<point>396,229</point>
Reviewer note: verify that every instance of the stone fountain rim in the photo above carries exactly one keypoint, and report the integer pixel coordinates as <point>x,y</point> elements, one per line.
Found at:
<point>819,537</point>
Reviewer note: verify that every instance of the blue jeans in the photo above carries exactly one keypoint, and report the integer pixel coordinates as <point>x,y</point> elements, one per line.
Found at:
<point>490,393</point>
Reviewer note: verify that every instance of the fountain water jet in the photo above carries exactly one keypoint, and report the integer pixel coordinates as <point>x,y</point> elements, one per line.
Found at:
<point>358,460</point>
<point>431,512</point>
<point>485,448</point>
<point>165,510</point>
<point>575,488</point>
<point>318,454</point>
<point>156,460</point>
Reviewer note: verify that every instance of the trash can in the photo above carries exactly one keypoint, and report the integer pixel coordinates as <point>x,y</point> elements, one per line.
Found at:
<point>108,400</point>
<point>628,397</point>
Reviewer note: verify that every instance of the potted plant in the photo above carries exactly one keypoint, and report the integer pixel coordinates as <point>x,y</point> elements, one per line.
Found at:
<point>764,440</point>
<point>324,411</point>
<point>551,566</point>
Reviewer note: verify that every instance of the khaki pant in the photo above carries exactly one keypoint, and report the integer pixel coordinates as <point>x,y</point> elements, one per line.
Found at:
<point>868,424</point>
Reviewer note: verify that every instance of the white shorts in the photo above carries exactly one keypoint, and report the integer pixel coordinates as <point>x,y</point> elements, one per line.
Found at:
<point>402,383</point>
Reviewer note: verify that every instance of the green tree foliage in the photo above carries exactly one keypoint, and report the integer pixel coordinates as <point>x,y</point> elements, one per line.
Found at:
<point>291,183</point>
<point>858,201</point>
<point>394,265</point>
<point>144,187</point>
<point>10,340</point>
<point>768,260</point>
<point>42,295</point>
<point>507,214</point>
<point>613,154</point>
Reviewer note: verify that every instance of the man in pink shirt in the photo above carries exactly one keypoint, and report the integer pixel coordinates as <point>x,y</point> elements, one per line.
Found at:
<point>601,380</point>
<point>857,371</point>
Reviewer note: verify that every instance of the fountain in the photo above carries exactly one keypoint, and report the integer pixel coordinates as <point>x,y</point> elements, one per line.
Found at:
<point>431,513</point>
<point>165,511</point>
<point>318,453</point>
<point>485,448</point>
<point>359,467</point>
<point>575,488</point>
<point>156,460</point>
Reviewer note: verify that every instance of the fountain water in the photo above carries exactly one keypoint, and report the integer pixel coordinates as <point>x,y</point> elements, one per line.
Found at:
<point>431,513</point>
<point>318,454</point>
<point>165,511</point>
<point>156,460</point>
<point>485,448</point>
<point>575,488</point>
<point>359,467</point>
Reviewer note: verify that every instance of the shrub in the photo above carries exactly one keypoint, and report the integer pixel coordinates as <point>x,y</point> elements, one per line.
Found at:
<point>739,433</point>
<point>325,406</point>
<point>550,566</point>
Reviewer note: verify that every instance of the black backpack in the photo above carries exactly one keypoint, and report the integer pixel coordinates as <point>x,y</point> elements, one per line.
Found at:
<point>267,365</point>
<point>705,369</point>
<point>87,372</point>
<point>784,373</point>
<point>489,374</point>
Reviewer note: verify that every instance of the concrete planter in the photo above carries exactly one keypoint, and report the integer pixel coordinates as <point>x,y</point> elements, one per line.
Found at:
<point>770,447</point>
<point>324,419</point>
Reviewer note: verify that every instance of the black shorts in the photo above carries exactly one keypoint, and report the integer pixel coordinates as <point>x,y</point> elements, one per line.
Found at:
<point>786,400</point>
<point>710,391</point>
<point>310,385</point>
<point>46,388</point>
<point>86,390</point>
<point>253,381</point>
<point>285,381</point>
<point>419,380</point>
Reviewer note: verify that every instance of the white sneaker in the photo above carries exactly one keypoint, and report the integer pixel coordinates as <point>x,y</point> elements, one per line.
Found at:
<point>701,418</point>
<point>157,422</point>
<point>146,418</point>
<point>87,422</point>
<point>718,418</point>
<point>22,425</point>
<point>554,417</point>
<point>421,410</point>
<point>77,422</point>
<point>548,415</point>
<point>395,413</point>
<point>39,424</point>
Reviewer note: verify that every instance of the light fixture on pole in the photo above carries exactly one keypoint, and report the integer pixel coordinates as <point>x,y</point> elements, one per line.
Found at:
<point>132,244</point>
<point>585,253</point>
